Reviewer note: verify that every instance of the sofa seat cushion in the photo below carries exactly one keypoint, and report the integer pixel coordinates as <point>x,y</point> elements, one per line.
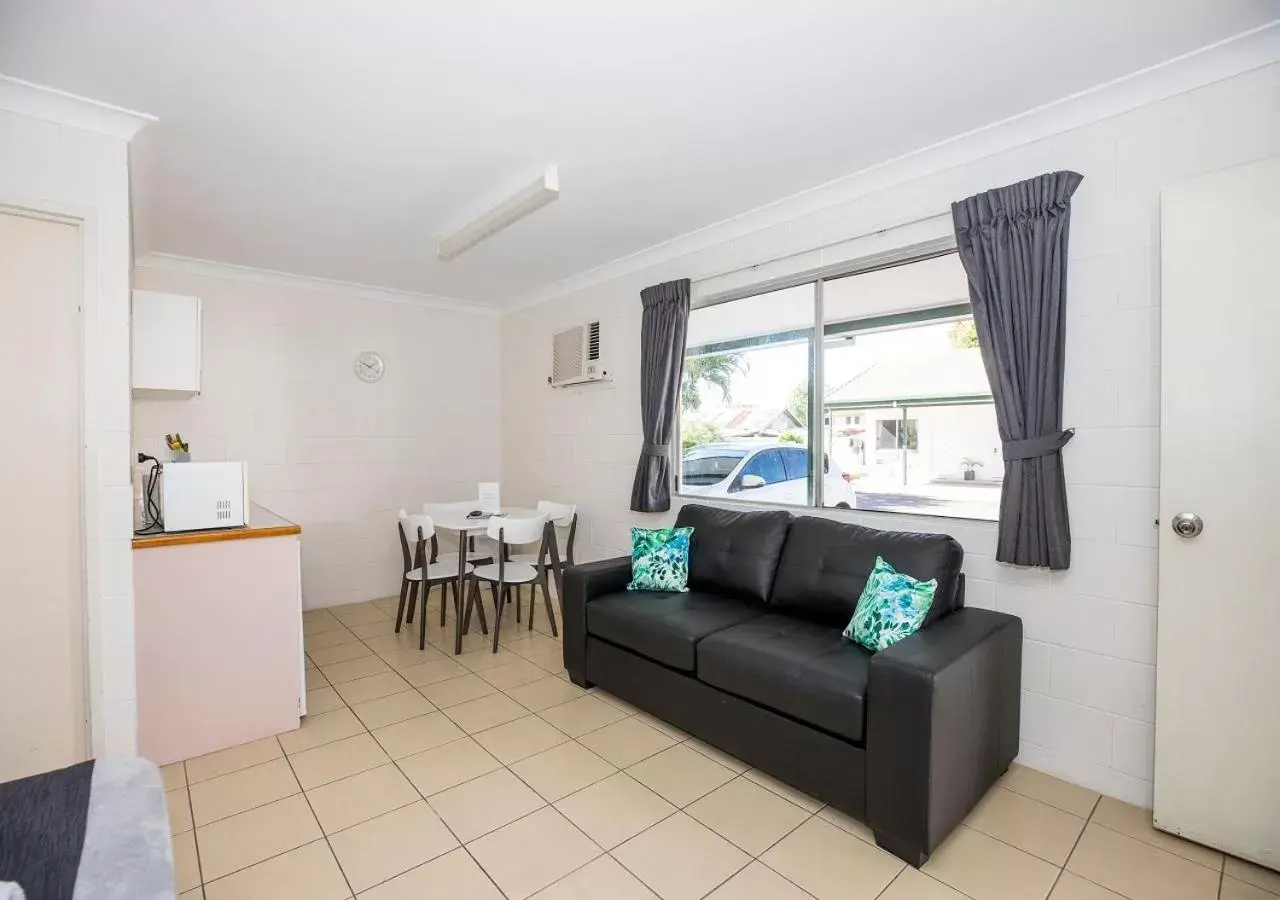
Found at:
<point>796,667</point>
<point>665,626</point>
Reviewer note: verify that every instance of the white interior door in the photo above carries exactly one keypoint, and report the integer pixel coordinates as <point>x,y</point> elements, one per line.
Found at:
<point>1217,773</point>
<point>42,661</point>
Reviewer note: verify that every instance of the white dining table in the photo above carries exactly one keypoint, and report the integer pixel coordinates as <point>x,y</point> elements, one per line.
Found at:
<point>459,522</point>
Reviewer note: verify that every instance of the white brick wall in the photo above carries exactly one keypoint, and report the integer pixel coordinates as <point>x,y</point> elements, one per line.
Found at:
<point>326,450</point>
<point>1088,682</point>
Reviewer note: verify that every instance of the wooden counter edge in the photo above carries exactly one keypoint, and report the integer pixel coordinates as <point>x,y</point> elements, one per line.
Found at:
<point>146,542</point>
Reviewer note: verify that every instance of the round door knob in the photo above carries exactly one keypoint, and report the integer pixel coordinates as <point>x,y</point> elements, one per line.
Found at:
<point>1187,525</point>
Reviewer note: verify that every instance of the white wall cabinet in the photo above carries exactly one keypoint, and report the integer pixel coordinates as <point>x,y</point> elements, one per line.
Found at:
<point>166,344</point>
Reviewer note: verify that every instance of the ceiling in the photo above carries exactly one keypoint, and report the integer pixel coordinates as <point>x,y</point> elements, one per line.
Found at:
<point>325,139</point>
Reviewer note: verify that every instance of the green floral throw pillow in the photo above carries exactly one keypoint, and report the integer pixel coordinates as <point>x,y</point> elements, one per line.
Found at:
<point>660,559</point>
<point>892,607</point>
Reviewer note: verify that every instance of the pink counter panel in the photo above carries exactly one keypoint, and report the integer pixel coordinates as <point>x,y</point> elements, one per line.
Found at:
<point>219,641</point>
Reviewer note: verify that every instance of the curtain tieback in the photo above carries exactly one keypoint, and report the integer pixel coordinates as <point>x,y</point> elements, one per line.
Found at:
<point>1041,445</point>
<point>655,449</point>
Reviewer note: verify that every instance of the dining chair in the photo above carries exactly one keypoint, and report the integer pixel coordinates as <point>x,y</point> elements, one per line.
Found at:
<point>506,574</point>
<point>476,555</point>
<point>560,516</point>
<point>419,570</point>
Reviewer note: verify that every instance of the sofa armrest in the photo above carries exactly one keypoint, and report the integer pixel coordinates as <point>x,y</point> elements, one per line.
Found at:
<point>942,726</point>
<point>582,584</point>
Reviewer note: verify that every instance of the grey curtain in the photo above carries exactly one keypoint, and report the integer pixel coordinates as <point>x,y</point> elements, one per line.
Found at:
<point>1013,244</point>
<point>662,336</point>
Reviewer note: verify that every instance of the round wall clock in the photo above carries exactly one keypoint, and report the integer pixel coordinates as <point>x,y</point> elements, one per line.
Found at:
<point>369,367</point>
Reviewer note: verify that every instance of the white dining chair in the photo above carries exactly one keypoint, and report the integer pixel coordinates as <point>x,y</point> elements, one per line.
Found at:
<point>476,554</point>
<point>418,532</point>
<point>560,517</point>
<point>505,574</point>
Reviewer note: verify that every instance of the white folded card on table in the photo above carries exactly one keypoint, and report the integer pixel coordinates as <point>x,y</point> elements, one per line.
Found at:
<point>489,500</point>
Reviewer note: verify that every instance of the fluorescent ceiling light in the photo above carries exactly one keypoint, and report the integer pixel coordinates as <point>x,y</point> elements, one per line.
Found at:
<point>508,212</point>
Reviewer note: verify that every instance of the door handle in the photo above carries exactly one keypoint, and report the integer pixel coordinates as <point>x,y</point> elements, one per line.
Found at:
<point>1187,525</point>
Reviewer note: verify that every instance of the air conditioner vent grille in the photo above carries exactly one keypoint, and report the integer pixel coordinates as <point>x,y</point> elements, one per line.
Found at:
<point>576,355</point>
<point>566,355</point>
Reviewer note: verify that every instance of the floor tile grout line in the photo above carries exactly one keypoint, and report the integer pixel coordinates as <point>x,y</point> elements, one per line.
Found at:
<point>1161,849</point>
<point>573,871</point>
<point>1046,802</point>
<point>1097,801</point>
<point>274,855</point>
<point>1000,840</point>
<point>448,828</point>
<point>684,809</point>
<point>734,874</point>
<point>633,874</point>
<point>328,843</point>
<point>195,838</point>
<point>507,766</point>
<point>758,857</point>
<point>1076,843</point>
<point>894,879</point>
<point>250,808</point>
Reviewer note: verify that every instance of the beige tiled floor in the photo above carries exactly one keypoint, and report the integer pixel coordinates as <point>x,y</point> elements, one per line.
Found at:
<point>483,776</point>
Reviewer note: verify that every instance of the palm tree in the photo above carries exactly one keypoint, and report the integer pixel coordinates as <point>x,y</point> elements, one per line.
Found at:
<point>716,369</point>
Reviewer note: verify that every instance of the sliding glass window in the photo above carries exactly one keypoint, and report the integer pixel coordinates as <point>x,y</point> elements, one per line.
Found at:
<point>905,423</point>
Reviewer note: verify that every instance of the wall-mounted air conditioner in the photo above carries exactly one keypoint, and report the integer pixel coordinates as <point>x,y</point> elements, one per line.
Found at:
<point>575,356</point>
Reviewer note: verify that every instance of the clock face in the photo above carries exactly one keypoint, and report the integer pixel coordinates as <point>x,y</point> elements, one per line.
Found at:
<point>369,366</point>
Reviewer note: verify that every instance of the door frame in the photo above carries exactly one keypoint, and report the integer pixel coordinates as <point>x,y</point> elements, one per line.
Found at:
<point>84,222</point>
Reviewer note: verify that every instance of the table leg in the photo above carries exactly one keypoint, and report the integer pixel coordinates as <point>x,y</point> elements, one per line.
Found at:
<point>458,602</point>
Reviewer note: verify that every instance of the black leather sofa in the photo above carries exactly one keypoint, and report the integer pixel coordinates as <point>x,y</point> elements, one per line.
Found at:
<point>752,660</point>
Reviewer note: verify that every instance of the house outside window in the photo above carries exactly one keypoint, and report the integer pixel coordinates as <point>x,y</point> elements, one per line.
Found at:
<point>865,391</point>
<point>897,434</point>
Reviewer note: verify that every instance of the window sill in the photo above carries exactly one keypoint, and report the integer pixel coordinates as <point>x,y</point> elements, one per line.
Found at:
<point>832,512</point>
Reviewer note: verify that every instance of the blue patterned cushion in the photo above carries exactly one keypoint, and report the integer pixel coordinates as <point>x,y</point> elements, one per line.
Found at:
<point>660,559</point>
<point>892,607</point>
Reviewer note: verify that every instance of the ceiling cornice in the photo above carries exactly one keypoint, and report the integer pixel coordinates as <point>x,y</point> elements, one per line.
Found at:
<point>51,105</point>
<point>1215,62</point>
<point>191,266</point>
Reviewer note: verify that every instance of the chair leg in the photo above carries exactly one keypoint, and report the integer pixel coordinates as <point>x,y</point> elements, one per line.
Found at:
<point>414,587</point>
<point>466,611</point>
<point>499,601</point>
<point>551,613</point>
<point>404,596</point>
<point>444,599</point>
<point>519,599</point>
<point>533,599</point>
<point>422,619</point>
<point>484,624</point>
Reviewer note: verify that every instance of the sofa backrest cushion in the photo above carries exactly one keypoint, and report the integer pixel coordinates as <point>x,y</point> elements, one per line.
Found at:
<point>825,565</point>
<point>734,553</point>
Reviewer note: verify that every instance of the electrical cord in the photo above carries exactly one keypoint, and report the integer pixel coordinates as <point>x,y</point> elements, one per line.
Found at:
<point>150,505</point>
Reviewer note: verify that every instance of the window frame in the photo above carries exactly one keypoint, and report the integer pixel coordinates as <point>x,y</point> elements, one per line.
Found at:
<point>816,337</point>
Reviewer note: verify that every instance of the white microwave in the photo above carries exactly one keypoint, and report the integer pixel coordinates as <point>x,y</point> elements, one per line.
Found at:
<point>200,495</point>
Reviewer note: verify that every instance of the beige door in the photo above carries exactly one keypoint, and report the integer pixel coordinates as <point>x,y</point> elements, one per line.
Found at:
<point>1217,775</point>
<point>42,620</point>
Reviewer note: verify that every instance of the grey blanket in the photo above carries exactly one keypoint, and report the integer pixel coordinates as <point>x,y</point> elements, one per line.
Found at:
<point>42,828</point>
<point>101,826</point>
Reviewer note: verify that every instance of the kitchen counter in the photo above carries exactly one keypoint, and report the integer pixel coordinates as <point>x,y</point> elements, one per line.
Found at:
<point>218,632</point>
<point>263,523</point>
